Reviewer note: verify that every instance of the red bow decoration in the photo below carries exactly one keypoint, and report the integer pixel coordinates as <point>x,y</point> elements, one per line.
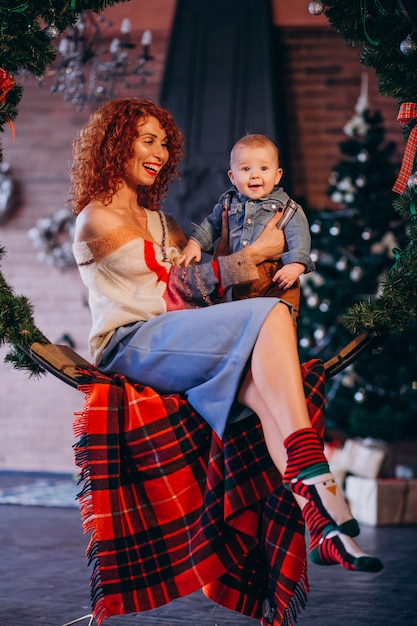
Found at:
<point>407,112</point>
<point>7,83</point>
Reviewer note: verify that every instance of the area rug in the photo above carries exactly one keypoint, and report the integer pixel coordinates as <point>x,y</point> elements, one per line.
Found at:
<point>42,492</point>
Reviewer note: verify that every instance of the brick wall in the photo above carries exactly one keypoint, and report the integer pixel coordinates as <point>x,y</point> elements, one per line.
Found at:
<point>321,79</point>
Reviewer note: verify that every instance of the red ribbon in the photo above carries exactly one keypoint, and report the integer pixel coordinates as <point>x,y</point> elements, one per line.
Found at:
<point>407,112</point>
<point>7,83</point>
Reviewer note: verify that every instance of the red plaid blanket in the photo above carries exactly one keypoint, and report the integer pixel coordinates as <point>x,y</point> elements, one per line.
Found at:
<point>172,508</point>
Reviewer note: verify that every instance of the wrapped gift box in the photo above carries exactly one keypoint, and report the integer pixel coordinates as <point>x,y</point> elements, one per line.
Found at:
<point>382,501</point>
<point>363,457</point>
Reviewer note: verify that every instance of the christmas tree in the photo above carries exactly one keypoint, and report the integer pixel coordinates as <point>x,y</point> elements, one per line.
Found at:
<point>377,394</point>
<point>354,245</point>
<point>382,34</point>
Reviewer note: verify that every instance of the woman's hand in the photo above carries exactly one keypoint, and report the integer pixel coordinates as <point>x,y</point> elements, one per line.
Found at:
<point>270,243</point>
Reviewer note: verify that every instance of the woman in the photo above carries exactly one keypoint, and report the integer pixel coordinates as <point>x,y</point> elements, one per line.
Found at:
<point>153,323</point>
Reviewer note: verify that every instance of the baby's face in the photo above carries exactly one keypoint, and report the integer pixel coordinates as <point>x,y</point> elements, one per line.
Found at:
<point>255,170</point>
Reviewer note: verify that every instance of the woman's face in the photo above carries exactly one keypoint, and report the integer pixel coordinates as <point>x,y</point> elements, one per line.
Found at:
<point>150,154</point>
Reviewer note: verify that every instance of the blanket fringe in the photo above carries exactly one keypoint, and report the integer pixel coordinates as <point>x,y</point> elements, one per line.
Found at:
<point>85,502</point>
<point>297,602</point>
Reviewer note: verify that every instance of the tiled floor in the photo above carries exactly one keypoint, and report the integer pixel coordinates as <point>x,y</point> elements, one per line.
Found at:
<point>45,579</point>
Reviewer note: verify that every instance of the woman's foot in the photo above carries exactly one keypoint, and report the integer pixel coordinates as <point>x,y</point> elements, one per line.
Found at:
<point>308,475</point>
<point>324,508</point>
<point>327,508</point>
<point>336,548</point>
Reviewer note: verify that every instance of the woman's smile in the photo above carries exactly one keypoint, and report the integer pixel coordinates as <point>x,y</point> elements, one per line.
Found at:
<point>150,153</point>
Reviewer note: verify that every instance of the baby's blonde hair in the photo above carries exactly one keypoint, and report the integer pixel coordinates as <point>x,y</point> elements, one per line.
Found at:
<point>254,141</point>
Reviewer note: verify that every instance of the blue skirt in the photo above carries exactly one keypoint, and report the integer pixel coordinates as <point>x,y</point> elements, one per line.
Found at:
<point>201,353</point>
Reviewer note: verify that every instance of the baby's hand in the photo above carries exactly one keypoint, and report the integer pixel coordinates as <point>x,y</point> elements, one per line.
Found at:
<point>288,274</point>
<point>191,253</point>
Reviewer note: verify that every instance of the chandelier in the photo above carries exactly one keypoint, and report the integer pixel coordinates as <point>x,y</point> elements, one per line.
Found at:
<point>89,71</point>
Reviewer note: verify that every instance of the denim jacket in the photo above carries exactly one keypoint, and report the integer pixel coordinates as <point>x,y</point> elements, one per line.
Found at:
<point>247,218</point>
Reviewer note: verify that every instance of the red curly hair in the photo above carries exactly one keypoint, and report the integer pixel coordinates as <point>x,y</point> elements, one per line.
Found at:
<point>104,146</point>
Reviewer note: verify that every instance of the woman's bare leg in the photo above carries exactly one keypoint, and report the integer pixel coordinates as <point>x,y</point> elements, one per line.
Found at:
<point>275,372</point>
<point>273,389</point>
<point>274,440</point>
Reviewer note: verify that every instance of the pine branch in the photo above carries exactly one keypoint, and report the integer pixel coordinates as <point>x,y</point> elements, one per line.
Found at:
<point>17,326</point>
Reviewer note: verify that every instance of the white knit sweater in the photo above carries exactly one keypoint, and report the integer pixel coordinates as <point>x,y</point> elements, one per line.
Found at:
<point>133,275</point>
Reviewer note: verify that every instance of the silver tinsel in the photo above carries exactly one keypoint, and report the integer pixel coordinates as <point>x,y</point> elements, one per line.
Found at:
<point>52,238</point>
<point>8,192</point>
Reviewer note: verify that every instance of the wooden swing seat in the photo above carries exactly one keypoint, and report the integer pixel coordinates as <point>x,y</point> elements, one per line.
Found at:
<point>59,360</point>
<point>64,362</point>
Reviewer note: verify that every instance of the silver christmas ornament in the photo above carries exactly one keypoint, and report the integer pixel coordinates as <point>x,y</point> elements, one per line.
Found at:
<point>312,301</point>
<point>316,7</point>
<point>341,264</point>
<point>348,380</point>
<point>412,181</point>
<point>335,229</point>
<point>315,255</point>
<point>336,197</point>
<point>363,156</point>
<point>408,45</point>
<point>360,396</point>
<point>51,31</point>
<point>316,227</point>
<point>356,273</point>
<point>319,334</point>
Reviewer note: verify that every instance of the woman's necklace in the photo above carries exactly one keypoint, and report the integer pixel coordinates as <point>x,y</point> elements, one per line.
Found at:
<point>164,238</point>
<point>184,273</point>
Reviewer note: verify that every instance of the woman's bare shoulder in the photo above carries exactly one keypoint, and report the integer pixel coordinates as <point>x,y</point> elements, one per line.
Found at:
<point>95,221</point>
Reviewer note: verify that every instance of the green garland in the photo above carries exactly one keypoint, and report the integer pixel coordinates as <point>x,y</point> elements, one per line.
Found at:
<point>25,43</point>
<point>378,27</point>
<point>17,326</point>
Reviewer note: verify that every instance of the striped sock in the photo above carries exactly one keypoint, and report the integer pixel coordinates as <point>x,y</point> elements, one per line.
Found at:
<point>308,475</point>
<point>336,548</point>
<point>305,451</point>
